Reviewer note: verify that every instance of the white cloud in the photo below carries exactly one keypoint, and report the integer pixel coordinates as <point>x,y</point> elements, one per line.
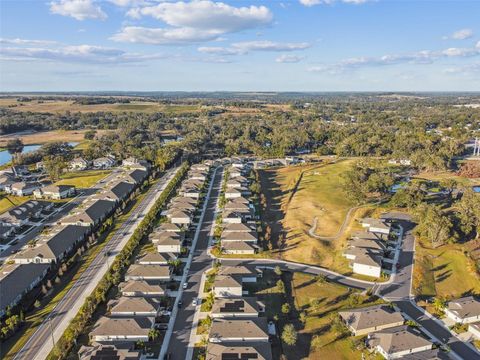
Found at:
<point>77,54</point>
<point>78,9</point>
<point>467,69</point>
<point>18,41</point>
<point>242,48</point>
<point>284,58</point>
<point>126,3</point>
<point>194,21</point>
<point>420,57</point>
<point>461,34</point>
<point>310,3</point>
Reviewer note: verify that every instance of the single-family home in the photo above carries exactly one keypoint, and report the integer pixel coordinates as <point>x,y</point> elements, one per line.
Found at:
<point>129,306</point>
<point>148,272</point>
<point>106,352</point>
<point>6,231</point>
<point>231,193</point>
<point>237,206</point>
<point>366,261</point>
<point>133,162</point>
<point>121,329</point>
<point>55,192</point>
<point>169,227</point>
<point>172,238</point>
<point>180,218</point>
<point>169,244</point>
<point>6,180</point>
<point>91,213</point>
<point>78,164</point>
<point>227,286</point>
<point>238,247</point>
<point>397,342</point>
<point>20,171</point>
<point>239,330</point>
<point>16,280</point>
<point>106,162</point>
<point>376,225</point>
<point>155,258</point>
<point>141,288</point>
<point>246,273</point>
<point>20,215</point>
<point>237,227</point>
<point>191,192</point>
<point>474,329</point>
<point>240,351</point>
<point>232,217</point>
<point>237,307</point>
<point>369,319</point>
<point>465,310</point>
<point>239,236</point>
<point>23,188</point>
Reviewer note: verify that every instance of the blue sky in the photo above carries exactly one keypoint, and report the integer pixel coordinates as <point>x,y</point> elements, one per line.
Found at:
<point>247,45</point>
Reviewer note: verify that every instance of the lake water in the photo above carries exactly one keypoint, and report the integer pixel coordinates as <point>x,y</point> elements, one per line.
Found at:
<point>5,156</point>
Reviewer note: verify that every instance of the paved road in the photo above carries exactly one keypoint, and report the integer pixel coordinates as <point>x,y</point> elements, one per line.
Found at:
<point>40,343</point>
<point>201,261</point>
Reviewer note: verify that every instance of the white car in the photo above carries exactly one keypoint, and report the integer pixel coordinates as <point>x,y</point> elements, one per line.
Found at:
<point>185,284</point>
<point>195,302</point>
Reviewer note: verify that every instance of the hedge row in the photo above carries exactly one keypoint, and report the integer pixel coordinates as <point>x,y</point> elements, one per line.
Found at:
<point>114,275</point>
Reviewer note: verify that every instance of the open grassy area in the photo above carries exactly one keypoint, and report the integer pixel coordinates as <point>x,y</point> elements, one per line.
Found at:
<point>83,179</point>
<point>445,271</point>
<point>42,137</point>
<point>295,197</point>
<point>320,302</point>
<point>442,175</point>
<point>9,201</point>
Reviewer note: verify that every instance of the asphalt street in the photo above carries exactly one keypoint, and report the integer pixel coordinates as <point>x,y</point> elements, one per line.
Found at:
<point>41,342</point>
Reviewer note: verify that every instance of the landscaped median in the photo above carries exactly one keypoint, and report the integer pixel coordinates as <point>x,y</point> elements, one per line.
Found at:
<point>114,274</point>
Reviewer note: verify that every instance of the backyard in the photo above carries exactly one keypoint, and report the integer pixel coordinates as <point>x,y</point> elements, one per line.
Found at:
<point>83,179</point>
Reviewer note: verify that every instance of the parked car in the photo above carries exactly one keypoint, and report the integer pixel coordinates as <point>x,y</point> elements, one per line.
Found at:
<point>195,302</point>
<point>185,285</point>
<point>180,303</point>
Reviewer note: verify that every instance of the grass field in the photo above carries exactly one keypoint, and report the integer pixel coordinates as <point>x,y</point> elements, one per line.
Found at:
<point>295,196</point>
<point>301,292</point>
<point>445,271</point>
<point>442,175</point>
<point>83,179</point>
<point>43,137</point>
<point>9,201</point>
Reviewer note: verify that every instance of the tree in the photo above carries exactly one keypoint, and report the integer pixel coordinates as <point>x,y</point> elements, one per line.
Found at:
<point>14,147</point>
<point>286,308</point>
<point>338,325</point>
<point>303,317</point>
<point>89,134</point>
<point>317,342</point>
<point>54,166</point>
<point>278,270</point>
<point>153,334</point>
<point>439,304</point>
<point>280,286</point>
<point>468,212</point>
<point>320,278</point>
<point>434,224</point>
<point>289,335</point>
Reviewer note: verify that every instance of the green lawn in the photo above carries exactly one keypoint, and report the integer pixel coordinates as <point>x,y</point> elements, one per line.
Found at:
<point>445,271</point>
<point>83,179</point>
<point>9,201</point>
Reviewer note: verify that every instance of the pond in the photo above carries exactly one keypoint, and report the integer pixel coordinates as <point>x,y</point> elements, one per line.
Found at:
<point>5,156</point>
<point>476,189</point>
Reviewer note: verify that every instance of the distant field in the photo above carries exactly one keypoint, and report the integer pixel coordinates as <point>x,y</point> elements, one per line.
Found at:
<point>43,137</point>
<point>442,175</point>
<point>445,271</point>
<point>294,206</point>
<point>61,106</point>
<point>83,179</point>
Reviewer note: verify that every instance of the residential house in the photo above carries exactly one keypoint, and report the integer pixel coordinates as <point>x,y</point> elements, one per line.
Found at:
<point>397,342</point>
<point>16,280</point>
<point>365,261</point>
<point>118,192</point>
<point>141,288</point>
<point>169,244</point>
<point>246,273</point>
<point>379,226</point>
<point>180,218</point>
<point>239,236</point>
<point>238,247</point>
<point>238,330</point>
<point>232,217</point>
<point>193,192</point>
<point>6,180</point>
<point>239,351</point>
<point>22,188</point>
<point>237,227</point>
<point>6,231</point>
<point>155,258</point>
<point>227,286</point>
<point>240,307</point>
<point>169,227</point>
<point>464,310</point>
<point>133,162</point>
<point>55,192</point>
<point>474,329</point>
<point>54,246</point>
<point>22,214</point>
<point>106,162</point>
<point>369,319</point>
<point>20,171</point>
<point>137,176</point>
<point>231,193</point>
<point>148,272</point>
<point>133,306</point>
<point>121,329</point>
<point>104,352</point>
<point>237,206</point>
<point>78,164</point>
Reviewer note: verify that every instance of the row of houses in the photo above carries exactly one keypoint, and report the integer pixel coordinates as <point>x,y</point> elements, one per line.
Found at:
<point>239,330</point>
<point>141,307</point>
<point>370,250</point>
<point>238,235</point>
<point>58,242</point>
<point>387,334</point>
